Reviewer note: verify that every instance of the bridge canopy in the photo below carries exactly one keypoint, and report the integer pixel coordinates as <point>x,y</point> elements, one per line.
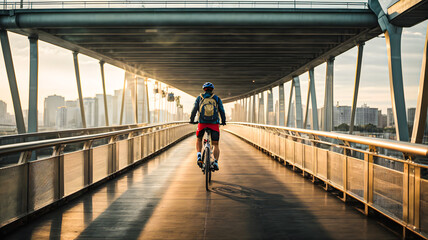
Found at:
<point>241,50</point>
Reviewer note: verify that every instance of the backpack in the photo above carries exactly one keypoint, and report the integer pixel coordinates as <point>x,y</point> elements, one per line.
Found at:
<point>208,109</point>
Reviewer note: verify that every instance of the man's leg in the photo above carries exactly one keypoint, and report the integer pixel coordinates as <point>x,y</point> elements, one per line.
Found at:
<point>198,144</point>
<point>216,150</point>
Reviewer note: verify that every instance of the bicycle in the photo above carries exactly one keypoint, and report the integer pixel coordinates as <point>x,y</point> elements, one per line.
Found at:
<point>207,168</point>
<point>206,156</point>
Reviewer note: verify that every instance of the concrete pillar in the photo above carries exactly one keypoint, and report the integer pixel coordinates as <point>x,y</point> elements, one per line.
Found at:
<point>10,70</point>
<point>356,86</point>
<point>33,90</point>
<point>328,97</point>
<point>422,104</point>
<point>79,88</point>
<point>281,99</point>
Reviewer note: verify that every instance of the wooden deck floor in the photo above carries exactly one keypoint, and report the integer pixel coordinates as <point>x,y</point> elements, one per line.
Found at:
<point>252,197</point>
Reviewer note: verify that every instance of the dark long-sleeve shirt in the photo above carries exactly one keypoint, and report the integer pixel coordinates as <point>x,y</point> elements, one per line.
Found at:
<point>220,109</point>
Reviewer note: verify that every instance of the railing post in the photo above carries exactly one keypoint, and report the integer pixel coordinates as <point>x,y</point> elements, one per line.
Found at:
<point>369,176</point>
<point>88,163</point>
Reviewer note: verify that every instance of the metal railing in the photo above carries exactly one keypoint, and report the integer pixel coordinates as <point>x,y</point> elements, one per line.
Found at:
<point>181,4</point>
<point>32,185</point>
<point>388,176</point>
<point>18,138</point>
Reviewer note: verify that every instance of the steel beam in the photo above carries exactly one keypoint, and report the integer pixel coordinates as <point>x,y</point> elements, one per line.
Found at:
<point>281,99</point>
<point>261,118</point>
<point>104,92</point>
<point>150,17</point>
<point>10,70</point>
<point>79,88</point>
<point>311,96</point>
<point>356,86</point>
<point>328,97</point>
<point>269,119</point>
<point>33,90</point>
<point>297,103</point>
<point>123,98</point>
<point>147,100</point>
<point>422,104</point>
<point>393,43</point>
<point>289,104</point>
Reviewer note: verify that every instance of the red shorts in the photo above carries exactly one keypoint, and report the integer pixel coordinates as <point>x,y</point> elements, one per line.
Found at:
<point>212,126</point>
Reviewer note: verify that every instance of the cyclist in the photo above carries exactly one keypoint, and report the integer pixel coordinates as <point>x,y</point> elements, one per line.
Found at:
<point>209,107</point>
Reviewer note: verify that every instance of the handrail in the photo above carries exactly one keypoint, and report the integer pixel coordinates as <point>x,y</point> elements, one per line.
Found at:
<point>182,4</point>
<point>66,131</point>
<point>405,147</point>
<point>30,146</point>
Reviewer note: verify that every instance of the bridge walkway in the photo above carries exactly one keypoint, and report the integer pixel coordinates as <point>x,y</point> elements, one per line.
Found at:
<point>252,197</point>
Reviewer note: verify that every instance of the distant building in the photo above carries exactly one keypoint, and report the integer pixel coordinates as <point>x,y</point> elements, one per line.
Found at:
<point>3,111</point>
<point>91,110</point>
<point>52,103</point>
<point>342,114</point>
<point>61,118</point>
<point>390,118</point>
<point>366,115</point>
<point>73,114</point>
<point>382,119</point>
<point>101,111</point>
<point>411,116</point>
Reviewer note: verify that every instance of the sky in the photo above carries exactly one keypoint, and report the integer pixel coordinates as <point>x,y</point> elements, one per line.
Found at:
<point>56,73</point>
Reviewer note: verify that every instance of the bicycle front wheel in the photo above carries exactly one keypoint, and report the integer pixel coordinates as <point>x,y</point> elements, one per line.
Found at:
<point>207,168</point>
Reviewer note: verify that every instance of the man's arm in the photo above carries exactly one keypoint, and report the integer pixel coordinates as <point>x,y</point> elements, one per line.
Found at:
<point>221,110</point>
<point>194,110</point>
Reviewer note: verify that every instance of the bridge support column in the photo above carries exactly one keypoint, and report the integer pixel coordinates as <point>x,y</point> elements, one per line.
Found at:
<point>79,88</point>
<point>270,118</point>
<point>393,42</point>
<point>313,98</point>
<point>298,116</point>
<point>133,86</point>
<point>147,100</point>
<point>260,112</point>
<point>422,104</point>
<point>104,93</point>
<point>253,110</point>
<point>10,70</point>
<point>33,91</point>
<point>328,97</point>
<point>123,98</point>
<point>356,85</point>
<point>281,110</point>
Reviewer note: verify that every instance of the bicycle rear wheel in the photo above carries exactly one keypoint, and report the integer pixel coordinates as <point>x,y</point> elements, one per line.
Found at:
<point>207,168</point>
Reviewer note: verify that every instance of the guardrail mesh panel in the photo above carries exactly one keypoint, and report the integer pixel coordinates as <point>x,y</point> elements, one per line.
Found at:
<point>123,153</point>
<point>289,151</point>
<point>137,149</point>
<point>335,168</point>
<point>356,180</point>
<point>43,182</point>
<point>73,172</point>
<point>424,203</point>
<point>309,158</point>
<point>388,190</point>
<point>100,162</point>
<point>298,154</point>
<point>13,191</point>
<point>322,163</point>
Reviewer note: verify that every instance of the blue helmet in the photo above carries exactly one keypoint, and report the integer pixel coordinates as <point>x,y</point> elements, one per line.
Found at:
<point>208,85</point>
